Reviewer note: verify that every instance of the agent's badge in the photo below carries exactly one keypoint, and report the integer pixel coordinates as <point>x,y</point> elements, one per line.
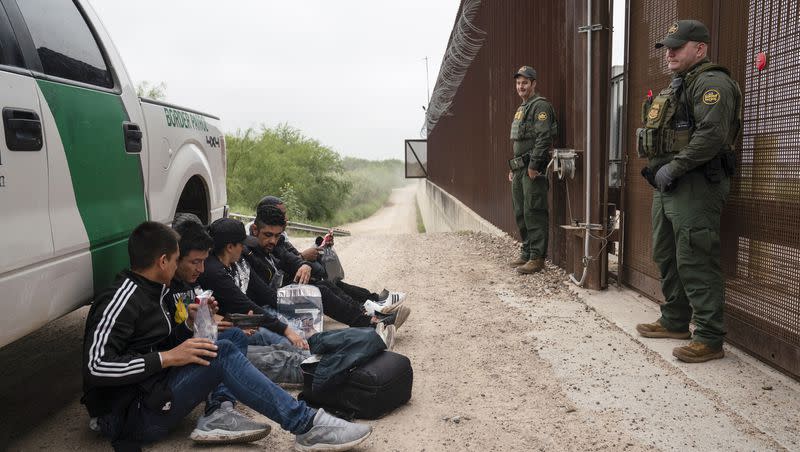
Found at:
<point>711,97</point>
<point>673,28</point>
<point>542,116</point>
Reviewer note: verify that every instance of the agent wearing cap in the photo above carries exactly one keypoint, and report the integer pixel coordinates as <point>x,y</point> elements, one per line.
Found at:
<point>532,132</point>
<point>687,138</point>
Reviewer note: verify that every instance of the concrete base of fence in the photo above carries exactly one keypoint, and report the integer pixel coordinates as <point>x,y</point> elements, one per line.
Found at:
<point>442,212</point>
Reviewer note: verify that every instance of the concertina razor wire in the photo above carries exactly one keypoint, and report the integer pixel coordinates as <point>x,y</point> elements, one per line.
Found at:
<point>465,43</point>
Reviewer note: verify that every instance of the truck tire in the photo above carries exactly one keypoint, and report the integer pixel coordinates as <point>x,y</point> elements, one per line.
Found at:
<point>182,217</point>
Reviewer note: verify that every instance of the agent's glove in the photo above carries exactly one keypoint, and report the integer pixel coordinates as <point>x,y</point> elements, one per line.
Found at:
<point>664,179</point>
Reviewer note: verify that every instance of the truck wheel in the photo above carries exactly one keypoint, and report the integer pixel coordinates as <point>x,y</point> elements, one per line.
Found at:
<point>182,217</point>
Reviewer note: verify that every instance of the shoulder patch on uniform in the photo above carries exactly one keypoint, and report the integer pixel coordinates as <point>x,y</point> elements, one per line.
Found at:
<point>711,96</point>
<point>655,110</point>
<point>542,116</point>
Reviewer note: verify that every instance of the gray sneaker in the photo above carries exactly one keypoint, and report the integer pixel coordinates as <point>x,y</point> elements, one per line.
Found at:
<point>330,433</point>
<point>225,425</point>
<point>386,332</point>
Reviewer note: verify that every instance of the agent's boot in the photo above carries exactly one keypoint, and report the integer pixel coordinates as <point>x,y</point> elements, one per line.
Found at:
<point>532,266</point>
<point>517,262</point>
<point>697,352</point>
<point>656,330</point>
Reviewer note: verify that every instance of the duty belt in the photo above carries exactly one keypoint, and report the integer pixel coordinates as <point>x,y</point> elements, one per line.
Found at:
<point>519,162</point>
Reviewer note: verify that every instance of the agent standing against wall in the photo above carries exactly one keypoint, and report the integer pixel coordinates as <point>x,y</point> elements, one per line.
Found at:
<point>687,137</point>
<point>532,133</point>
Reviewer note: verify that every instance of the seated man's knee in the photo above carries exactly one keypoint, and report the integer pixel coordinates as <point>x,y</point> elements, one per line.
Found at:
<point>226,347</point>
<point>236,336</point>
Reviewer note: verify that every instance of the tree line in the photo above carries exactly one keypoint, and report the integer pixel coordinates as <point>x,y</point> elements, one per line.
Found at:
<point>317,184</point>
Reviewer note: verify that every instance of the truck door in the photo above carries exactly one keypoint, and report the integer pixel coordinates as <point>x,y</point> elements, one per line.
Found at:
<point>94,145</point>
<point>25,234</point>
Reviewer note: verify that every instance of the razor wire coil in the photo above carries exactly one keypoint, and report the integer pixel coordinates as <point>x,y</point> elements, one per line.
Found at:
<point>465,43</point>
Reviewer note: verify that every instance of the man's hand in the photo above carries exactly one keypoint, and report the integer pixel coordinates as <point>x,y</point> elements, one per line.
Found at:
<point>510,176</point>
<point>303,274</point>
<point>213,307</point>
<point>664,179</point>
<point>295,338</point>
<point>310,254</point>
<point>190,351</point>
<point>533,174</point>
<point>222,324</point>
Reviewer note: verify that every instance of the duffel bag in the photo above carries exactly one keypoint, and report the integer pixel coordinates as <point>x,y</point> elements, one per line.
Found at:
<point>369,392</point>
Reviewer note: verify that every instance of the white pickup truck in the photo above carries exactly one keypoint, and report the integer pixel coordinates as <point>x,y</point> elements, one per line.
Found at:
<point>83,160</point>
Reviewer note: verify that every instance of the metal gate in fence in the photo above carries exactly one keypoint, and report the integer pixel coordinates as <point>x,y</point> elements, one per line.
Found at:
<point>761,220</point>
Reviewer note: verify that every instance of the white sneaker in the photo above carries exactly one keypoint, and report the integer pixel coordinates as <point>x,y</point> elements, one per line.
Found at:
<point>330,433</point>
<point>371,307</point>
<point>389,305</point>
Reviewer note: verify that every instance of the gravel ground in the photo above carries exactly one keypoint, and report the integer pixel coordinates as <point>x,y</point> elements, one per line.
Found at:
<point>501,361</point>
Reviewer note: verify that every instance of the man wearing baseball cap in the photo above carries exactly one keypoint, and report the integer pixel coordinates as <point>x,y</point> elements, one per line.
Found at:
<point>689,131</point>
<point>532,132</point>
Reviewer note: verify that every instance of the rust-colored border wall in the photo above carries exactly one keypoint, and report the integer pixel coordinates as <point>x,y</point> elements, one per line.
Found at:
<point>469,148</point>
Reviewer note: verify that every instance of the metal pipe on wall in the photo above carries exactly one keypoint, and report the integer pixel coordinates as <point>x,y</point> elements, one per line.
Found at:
<point>588,153</point>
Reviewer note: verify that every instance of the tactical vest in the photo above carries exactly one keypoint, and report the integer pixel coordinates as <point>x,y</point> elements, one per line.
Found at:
<point>662,134</point>
<point>522,128</point>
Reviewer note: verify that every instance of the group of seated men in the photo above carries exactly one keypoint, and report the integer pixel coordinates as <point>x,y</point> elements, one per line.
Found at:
<point>144,371</point>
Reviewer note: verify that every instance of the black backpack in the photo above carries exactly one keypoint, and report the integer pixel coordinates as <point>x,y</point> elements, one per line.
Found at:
<point>370,391</point>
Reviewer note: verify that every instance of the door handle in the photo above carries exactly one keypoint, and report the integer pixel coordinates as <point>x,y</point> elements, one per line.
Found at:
<point>23,129</point>
<point>133,137</point>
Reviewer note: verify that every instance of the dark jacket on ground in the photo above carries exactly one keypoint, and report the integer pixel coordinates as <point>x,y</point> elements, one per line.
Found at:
<point>128,324</point>
<point>237,292</point>
<point>342,350</point>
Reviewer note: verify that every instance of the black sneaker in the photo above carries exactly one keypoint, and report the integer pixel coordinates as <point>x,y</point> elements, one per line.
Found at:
<point>383,295</point>
<point>397,318</point>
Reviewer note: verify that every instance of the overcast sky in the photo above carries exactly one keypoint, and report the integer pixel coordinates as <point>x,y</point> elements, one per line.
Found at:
<point>348,73</point>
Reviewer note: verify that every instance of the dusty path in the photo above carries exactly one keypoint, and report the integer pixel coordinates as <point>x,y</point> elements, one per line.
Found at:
<point>398,216</point>
<point>501,362</point>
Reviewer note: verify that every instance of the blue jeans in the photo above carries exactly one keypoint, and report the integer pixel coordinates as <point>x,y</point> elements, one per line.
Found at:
<point>264,336</point>
<point>222,393</point>
<point>190,384</point>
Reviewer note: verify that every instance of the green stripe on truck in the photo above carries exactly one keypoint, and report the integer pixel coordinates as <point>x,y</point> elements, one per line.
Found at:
<point>107,181</point>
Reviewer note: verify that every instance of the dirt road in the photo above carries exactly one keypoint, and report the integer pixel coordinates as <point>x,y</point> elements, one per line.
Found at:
<point>501,362</point>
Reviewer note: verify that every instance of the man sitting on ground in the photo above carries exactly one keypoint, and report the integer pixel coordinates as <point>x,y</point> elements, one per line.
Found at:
<point>385,303</point>
<point>236,291</point>
<point>279,362</point>
<point>143,373</point>
<point>266,232</point>
<point>220,423</point>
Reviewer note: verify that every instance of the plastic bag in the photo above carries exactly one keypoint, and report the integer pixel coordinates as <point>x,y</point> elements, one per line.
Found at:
<point>204,324</point>
<point>333,267</point>
<point>300,307</point>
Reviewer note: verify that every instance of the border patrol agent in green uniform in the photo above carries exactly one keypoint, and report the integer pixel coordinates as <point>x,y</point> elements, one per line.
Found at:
<point>689,129</point>
<point>532,133</point>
